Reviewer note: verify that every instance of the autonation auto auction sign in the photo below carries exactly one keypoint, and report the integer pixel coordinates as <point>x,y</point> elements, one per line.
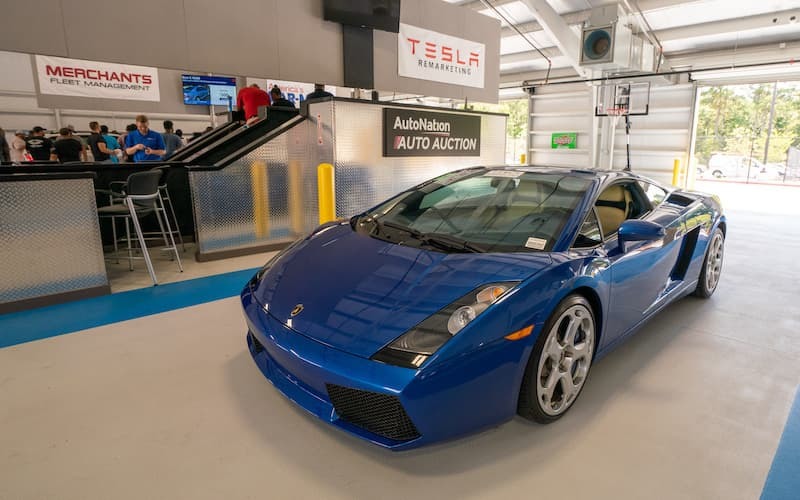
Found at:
<point>411,132</point>
<point>429,55</point>
<point>73,77</point>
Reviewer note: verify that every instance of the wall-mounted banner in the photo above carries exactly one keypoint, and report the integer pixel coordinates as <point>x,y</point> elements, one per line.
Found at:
<point>74,77</point>
<point>411,132</point>
<point>429,55</point>
<point>564,140</point>
<point>294,91</point>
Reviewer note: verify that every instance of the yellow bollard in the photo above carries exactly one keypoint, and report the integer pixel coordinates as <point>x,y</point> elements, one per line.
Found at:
<point>259,182</point>
<point>296,216</point>
<point>327,195</point>
<point>522,159</point>
<point>676,172</point>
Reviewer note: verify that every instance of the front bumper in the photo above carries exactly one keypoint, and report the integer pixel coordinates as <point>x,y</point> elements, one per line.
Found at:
<point>393,407</point>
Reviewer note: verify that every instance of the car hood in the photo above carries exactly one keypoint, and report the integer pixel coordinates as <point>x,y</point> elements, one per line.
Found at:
<point>359,293</point>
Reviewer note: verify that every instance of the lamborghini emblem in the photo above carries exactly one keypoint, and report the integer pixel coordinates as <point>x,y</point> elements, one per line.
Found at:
<point>297,310</point>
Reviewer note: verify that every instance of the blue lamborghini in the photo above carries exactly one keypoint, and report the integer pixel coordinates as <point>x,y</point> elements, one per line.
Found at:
<point>475,296</point>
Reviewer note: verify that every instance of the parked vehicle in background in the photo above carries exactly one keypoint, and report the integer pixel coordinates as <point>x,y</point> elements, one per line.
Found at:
<point>726,165</point>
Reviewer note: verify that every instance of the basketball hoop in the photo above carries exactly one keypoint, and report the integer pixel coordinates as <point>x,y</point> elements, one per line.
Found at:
<point>616,111</point>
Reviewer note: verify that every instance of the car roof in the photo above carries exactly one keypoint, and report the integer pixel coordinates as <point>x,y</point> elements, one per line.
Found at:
<point>602,176</point>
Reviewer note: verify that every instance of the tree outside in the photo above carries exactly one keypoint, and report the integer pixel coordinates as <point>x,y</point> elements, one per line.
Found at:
<point>516,125</point>
<point>734,122</point>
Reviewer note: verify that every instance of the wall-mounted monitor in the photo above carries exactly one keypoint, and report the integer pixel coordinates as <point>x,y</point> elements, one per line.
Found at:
<point>207,90</point>
<point>378,14</point>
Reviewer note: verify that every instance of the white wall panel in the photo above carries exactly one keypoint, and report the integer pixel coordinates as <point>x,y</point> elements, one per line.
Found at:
<point>657,139</point>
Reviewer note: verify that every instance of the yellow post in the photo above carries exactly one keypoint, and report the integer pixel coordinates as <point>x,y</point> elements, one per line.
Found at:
<point>259,182</point>
<point>522,159</point>
<point>676,172</point>
<point>296,222</point>
<point>327,195</point>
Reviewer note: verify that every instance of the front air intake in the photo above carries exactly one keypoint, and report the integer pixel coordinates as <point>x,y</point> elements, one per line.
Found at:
<point>380,414</point>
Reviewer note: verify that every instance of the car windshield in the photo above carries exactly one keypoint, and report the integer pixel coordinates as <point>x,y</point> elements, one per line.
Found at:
<point>479,211</point>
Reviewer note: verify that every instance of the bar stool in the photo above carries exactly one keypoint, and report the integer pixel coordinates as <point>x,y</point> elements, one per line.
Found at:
<point>166,204</point>
<point>141,196</point>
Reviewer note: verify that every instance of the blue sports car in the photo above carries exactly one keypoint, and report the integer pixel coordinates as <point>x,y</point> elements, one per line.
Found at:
<point>475,296</point>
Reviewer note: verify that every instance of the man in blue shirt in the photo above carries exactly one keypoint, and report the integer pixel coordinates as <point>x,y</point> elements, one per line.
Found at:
<point>144,144</point>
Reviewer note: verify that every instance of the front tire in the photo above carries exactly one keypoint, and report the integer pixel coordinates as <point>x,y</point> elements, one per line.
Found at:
<point>560,362</point>
<point>712,266</point>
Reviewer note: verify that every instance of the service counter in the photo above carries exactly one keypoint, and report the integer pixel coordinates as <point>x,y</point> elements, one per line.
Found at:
<point>50,245</point>
<point>51,239</point>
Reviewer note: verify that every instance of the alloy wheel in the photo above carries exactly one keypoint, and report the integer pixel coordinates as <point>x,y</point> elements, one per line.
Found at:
<point>565,360</point>
<point>714,262</point>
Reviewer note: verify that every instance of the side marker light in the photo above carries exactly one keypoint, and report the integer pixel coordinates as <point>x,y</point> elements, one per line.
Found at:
<point>520,334</point>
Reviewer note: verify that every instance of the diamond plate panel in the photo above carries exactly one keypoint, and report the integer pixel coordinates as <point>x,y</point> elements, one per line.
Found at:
<point>49,238</point>
<point>364,177</point>
<point>270,195</point>
<point>267,196</point>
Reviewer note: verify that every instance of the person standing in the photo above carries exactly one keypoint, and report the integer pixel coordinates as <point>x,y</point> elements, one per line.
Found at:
<point>97,143</point>
<point>184,140</point>
<point>18,147</point>
<point>5,151</point>
<point>278,99</point>
<point>250,99</point>
<point>74,134</point>
<point>67,148</point>
<point>319,92</point>
<point>171,141</point>
<point>144,144</point>
<point>112,144</point>
<point>39,146</point>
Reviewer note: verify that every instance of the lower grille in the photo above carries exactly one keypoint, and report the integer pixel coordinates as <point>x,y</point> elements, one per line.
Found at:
<point>257,347</point>
<point>380,414</point>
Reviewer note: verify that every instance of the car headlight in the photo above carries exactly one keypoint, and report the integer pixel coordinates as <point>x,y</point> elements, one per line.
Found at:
<point>415,346</point>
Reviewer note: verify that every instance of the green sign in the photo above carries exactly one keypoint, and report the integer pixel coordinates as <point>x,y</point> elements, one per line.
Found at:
<point>561,140</point>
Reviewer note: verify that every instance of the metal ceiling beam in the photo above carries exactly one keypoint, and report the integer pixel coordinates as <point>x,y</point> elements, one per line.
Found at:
<point>558,30</point>
<point>765,53</point>
<point>579,16</point>
<point>478,4</point>
<point>690,31</point>
<point>728,25</point>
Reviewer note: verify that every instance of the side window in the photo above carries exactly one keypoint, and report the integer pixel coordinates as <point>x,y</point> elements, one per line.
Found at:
<point>589,235</point>
<point>653,193</point>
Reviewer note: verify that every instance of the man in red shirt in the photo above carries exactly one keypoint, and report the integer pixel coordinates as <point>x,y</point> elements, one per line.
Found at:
<point>250,99</point>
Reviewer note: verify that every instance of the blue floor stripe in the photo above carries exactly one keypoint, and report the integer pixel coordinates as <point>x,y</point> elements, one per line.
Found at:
<point>50,321</point>
<point>783,480</point>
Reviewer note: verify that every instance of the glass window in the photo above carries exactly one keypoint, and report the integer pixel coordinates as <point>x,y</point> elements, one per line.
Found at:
<point>589,235</point>
<point>494,210</point>
<point>654,193</point>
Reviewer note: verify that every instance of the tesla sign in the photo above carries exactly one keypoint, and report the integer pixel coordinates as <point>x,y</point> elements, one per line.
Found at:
<point>428,55</point>
<point>410,132</point>
<point>73,77</point>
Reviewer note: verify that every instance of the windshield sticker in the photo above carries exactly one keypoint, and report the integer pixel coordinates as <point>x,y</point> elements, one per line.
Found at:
<point>511,174</point>
<point>536,243</point>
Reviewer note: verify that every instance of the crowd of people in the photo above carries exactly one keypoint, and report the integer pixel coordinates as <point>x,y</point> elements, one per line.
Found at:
<point>138,143</point>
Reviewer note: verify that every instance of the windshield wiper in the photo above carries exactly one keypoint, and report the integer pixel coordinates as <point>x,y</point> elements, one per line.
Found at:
<point>394,225</point>
<point>450,242</point>
<point>441,240</point>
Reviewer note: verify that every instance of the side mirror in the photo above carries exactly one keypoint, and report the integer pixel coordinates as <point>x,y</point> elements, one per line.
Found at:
<point>640,230</point>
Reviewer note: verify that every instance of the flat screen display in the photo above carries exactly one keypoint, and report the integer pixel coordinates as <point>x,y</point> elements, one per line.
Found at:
<point>377,14</point>
<point>207,90</point>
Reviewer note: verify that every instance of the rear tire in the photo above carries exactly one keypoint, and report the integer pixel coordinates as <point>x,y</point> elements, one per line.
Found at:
<point>712,266</point>
<point>559,364</point>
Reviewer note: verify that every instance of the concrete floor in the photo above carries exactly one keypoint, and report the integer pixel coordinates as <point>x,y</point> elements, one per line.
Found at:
<point>123,279</point>
<point>171,406</point>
